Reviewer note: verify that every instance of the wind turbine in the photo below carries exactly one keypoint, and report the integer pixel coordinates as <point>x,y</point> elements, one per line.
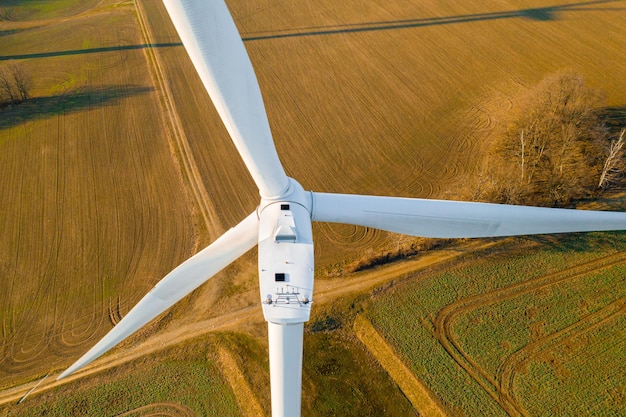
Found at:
<point>281,224</point>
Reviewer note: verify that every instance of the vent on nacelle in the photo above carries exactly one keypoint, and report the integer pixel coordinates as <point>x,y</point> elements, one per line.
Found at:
<point>285,233</point>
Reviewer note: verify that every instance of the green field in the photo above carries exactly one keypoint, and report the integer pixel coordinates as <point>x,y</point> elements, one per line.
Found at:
<point>19,10</point>
<point>118,169</point>
<point>181,383</point>
<point>534,331</point>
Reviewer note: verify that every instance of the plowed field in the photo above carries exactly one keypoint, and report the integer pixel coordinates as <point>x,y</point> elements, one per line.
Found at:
<point>86,229</point>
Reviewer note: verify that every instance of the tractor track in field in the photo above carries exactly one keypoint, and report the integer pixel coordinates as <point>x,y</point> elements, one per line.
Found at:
<point>161,409</point>
<point>247,402</point>
<point>179,144</point>
<point>519,360</point>
<point>502,391</point>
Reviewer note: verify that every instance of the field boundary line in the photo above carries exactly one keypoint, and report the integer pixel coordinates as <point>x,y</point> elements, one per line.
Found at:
<point>33,388</point>
<point>420,396</point>
<point>244,396</point>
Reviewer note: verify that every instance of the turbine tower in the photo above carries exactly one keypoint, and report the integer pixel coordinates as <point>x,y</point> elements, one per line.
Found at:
<point>281,225</point>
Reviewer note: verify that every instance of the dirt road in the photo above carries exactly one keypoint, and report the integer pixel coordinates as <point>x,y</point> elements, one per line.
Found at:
<point>326,292</point>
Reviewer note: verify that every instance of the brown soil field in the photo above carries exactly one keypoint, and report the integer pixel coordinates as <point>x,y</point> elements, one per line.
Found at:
<point>83,180</point>
<point>119,168</point>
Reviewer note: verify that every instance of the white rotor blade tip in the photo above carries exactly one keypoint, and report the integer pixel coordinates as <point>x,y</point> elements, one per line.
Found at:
<point>458,219</point>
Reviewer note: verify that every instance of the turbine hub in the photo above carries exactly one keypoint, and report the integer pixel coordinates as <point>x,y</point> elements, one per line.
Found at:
<point>294,194</point>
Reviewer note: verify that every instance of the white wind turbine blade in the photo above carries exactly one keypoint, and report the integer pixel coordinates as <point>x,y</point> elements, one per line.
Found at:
<point>181,281</point>
<point>457,219</point>
<point>214,45</point>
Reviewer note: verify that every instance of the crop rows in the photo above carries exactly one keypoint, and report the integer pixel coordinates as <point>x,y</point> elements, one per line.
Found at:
<point>84,221</point>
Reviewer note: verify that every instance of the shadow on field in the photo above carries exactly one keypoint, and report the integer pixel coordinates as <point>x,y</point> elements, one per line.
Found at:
<point>615,118</point>
<point>580,242</point>
<point>88,51</point>
<point>9,32</point>
<point>42,107</point>
<point>547,13</point>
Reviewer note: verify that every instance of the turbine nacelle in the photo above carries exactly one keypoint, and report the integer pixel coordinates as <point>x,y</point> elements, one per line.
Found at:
<point>286,262</point>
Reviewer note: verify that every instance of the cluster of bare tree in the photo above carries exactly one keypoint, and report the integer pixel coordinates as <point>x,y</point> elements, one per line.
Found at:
<point>15,84</point>
<point>556,147</point>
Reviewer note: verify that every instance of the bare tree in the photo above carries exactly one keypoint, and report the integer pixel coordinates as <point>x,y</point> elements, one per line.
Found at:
<point>22,82</point>
<point>7,13</point>
<point>15,85</point>
<point>7,90</point>
<point>553,139</point>
<point>614,163</point>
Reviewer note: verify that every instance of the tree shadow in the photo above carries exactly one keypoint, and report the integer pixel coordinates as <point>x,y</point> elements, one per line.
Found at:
<point>43,107</point>
<point>88,51</point>
<point>615,118</point>
<point>547,13</point>
<point>8,32</point>
<point>579,242</point>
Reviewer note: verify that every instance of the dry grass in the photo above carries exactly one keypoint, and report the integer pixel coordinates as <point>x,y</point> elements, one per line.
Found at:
<point>247,402</point>
<point>419,395</point>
